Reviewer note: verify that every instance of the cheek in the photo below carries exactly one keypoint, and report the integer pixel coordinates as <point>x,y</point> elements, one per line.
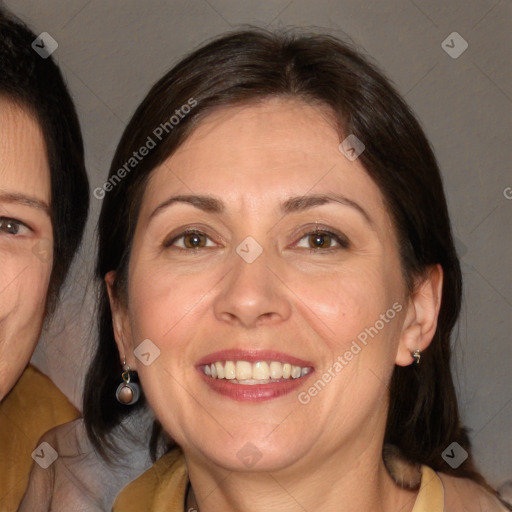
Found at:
<point>22,305</point>
<point>161,301</point>
<point>341,305</point>
<point>168,309</point>
<point>164,308</point>
<point>24,283</point>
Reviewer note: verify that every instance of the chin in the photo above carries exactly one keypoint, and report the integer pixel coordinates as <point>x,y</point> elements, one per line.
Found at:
<point>253,453</point>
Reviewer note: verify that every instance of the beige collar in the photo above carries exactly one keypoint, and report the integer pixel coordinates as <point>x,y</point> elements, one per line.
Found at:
<point>163,488</point>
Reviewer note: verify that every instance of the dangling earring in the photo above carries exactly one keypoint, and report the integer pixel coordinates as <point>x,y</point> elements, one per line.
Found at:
<point>417,356</point>
<point>127,392</point>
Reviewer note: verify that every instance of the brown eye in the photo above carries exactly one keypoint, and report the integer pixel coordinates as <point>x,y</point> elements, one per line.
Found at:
<point>323,241</point>
<point>194,240</point>
<point>320,240</point>
<point>190,240</point>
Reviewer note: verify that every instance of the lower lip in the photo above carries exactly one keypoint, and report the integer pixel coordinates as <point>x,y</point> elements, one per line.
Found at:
<point>254,392</point>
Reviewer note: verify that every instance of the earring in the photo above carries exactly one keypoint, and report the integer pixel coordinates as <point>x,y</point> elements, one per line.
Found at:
<point>417,356</point>
<point>127,392</point>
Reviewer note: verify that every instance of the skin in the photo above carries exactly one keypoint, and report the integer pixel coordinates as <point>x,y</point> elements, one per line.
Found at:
<point>26,240</point>
<point>311,304</point>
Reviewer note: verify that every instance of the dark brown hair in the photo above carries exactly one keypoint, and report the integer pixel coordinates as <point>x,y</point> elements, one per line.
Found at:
<point>250,65</point>
<point>36,85</point>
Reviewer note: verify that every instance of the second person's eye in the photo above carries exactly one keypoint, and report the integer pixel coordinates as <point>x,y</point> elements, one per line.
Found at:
<point>318,239</point>
<point>192,239</point>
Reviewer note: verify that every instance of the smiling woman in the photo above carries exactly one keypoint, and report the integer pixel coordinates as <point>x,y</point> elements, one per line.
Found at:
<point>43,185</point>
<point>277,224</point>
<point>25,229</point>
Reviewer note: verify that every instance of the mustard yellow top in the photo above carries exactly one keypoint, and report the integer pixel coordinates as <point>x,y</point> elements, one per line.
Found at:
<point>31,408</point>
<point>163,488</point>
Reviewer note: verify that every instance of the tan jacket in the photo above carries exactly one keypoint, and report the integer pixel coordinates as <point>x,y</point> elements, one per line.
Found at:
<point>32,407</point>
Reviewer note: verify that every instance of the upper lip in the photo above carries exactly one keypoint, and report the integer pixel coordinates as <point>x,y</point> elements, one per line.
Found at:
<point>252,356</point>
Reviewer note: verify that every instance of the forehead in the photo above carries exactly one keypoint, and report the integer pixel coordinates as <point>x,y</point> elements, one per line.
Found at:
<point>275,131</point>
<point>262,153</point>
<point>253,158</point>
<point>24,167</point>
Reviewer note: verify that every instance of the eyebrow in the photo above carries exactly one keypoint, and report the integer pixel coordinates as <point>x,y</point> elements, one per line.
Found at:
<point>301,203</point>
<point>13,197</point>
<point>293,204</point>
<point>206,203</point>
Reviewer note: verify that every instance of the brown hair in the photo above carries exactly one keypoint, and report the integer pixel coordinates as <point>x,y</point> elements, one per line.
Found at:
<point>250,65</point>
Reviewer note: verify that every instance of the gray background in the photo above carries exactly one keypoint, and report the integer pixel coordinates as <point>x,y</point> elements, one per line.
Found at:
<point>112,51</point>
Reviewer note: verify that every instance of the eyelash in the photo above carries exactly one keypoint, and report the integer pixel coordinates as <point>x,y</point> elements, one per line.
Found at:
<point>337,237</point>
<point>18,223</point>
<point>169,243</point>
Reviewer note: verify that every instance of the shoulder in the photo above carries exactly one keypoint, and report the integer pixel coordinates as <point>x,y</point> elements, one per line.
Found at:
<point>67,439</point>
<point>32,407</point>
<point>36,394</point>
<point>465,495</point>
<point>162,487</point>
<point>39,404</point>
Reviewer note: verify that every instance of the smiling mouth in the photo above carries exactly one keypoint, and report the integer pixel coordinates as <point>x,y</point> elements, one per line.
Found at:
<point>259,372</point>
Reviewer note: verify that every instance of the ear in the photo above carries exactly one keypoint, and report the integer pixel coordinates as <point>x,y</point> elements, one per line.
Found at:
<point>120,323</point>
<point>421,317</point>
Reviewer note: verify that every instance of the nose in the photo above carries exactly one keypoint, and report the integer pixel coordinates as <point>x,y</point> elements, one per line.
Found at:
<point>252,294</point>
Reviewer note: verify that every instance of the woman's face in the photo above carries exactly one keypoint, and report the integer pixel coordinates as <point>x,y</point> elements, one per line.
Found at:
<point>26,239</point>
<point>289,259</point>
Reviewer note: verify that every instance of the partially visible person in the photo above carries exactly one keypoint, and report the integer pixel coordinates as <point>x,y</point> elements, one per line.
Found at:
<point>44,201</point>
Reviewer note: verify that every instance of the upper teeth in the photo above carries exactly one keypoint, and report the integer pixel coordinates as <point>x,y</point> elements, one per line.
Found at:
<point>246,373</point>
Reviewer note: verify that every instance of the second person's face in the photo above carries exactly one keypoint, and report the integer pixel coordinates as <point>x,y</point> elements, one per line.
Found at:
<point>262,250</point>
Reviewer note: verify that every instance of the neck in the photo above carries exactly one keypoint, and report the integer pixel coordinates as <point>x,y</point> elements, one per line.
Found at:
<point>349,480</point>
